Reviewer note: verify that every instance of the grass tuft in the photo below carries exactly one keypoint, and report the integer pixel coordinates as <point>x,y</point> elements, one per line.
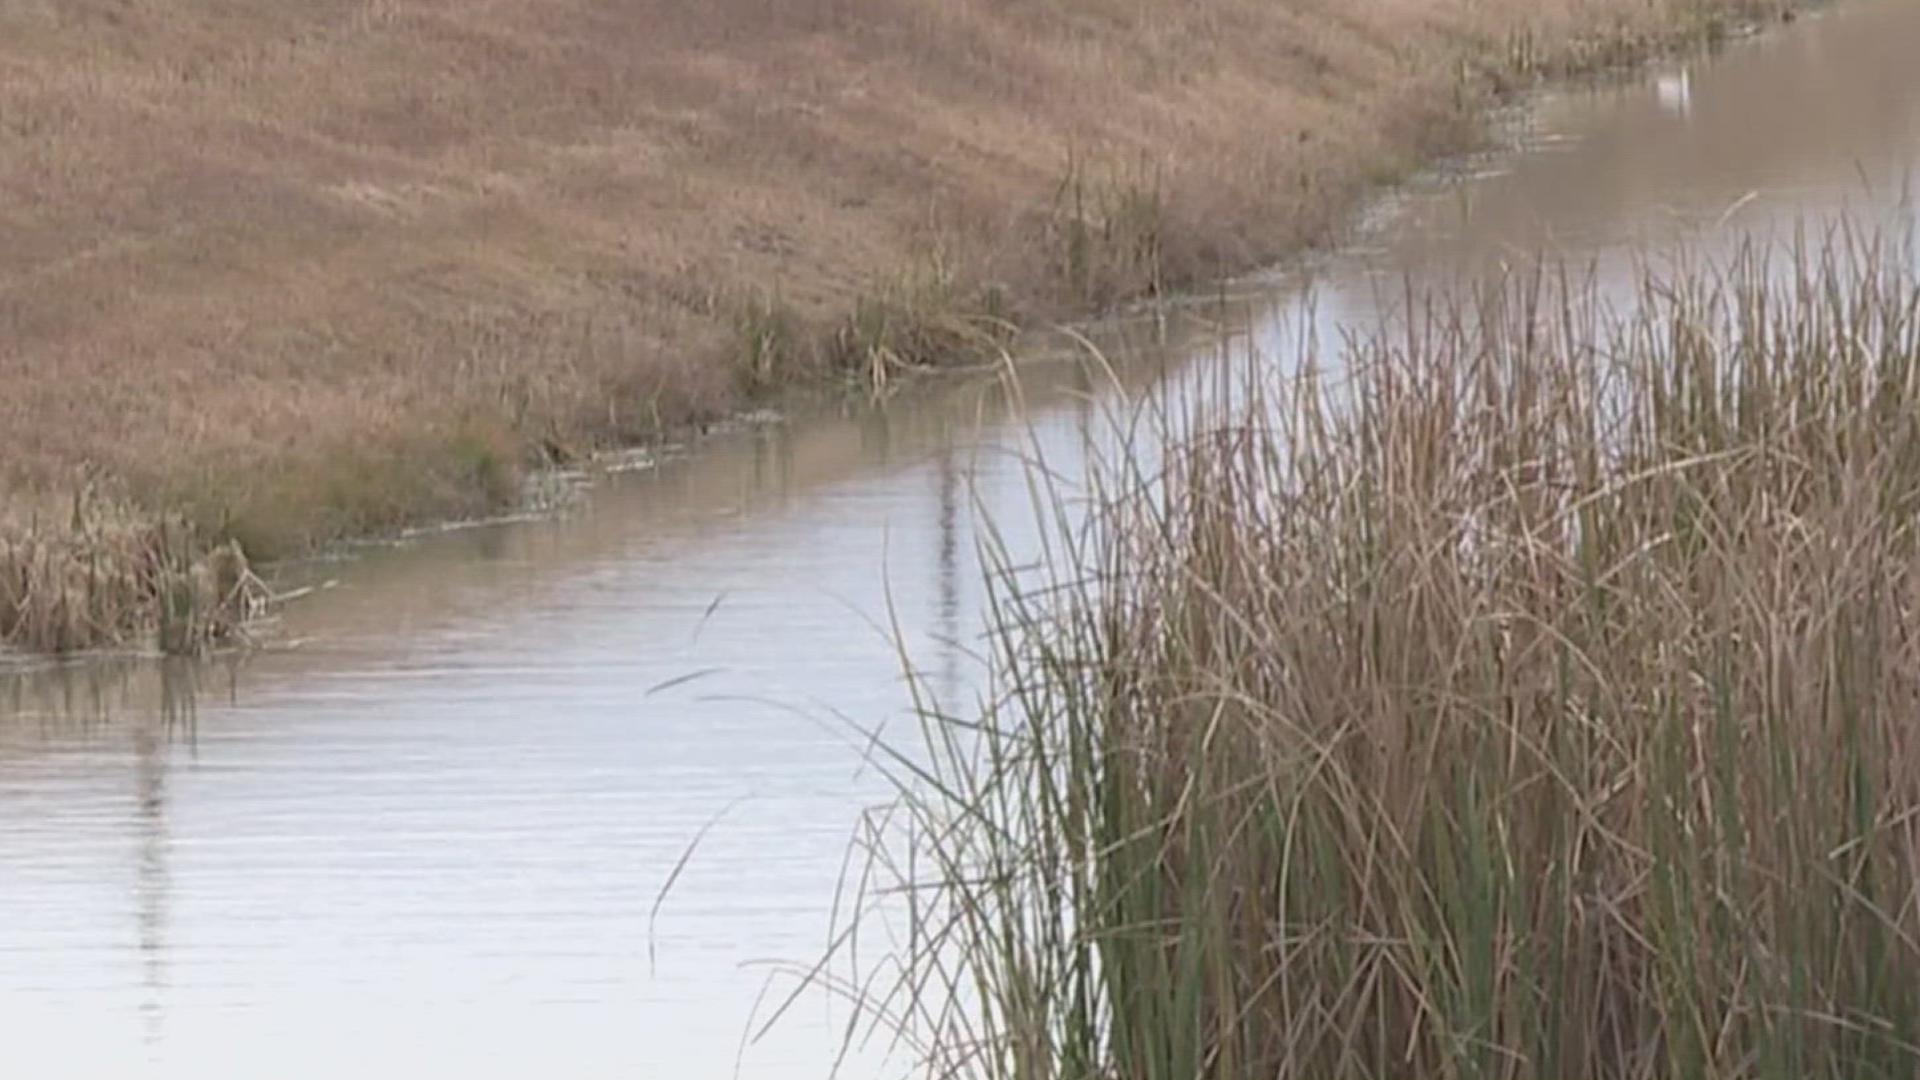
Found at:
<point>102,574</point>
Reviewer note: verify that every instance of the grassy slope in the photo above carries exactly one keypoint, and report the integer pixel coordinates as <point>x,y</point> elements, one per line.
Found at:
<point>309,270</point>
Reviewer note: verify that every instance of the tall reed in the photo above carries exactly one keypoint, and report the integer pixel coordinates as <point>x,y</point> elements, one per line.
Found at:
<point>1534,697</point>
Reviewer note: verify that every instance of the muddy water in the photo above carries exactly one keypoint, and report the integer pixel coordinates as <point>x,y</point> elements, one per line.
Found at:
<point>430,835</point>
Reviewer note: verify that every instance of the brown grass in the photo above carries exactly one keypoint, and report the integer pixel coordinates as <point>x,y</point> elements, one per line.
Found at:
<point>93,571</point>
<point>1527,694</point>
<point>310,270</point>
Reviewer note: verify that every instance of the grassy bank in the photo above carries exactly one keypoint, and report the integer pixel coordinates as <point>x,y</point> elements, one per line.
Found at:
<point>1533,700</point>
<point>321,270</point>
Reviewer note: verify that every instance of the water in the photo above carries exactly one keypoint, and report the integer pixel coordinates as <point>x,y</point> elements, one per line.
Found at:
<point>431,838</point>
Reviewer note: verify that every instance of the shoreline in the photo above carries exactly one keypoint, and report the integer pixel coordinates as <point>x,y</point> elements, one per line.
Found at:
<point>1122,242</point>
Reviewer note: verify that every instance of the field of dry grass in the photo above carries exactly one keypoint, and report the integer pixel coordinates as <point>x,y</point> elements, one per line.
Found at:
<point>300,271</point>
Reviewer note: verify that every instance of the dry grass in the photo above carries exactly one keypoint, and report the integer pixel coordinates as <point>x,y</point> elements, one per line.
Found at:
<point>1535,703</point>
<point>306,270</point>
<point>93,572</point>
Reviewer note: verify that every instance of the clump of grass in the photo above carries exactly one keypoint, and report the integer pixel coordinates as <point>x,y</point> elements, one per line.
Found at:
<point>1533,700</point>
<point>1109,231</point>
<point>918,322</point>
<point>103,574</point>
<point>771,338</point>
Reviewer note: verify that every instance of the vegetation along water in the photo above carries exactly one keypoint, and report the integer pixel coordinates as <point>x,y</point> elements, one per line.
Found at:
<point>1527,692</point>
<point>309,272</point>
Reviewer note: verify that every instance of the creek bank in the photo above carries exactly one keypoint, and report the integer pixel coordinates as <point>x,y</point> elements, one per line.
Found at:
<point>1055,169</point>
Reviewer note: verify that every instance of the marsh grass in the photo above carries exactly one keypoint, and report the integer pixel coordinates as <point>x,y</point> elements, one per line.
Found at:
<point>100,573</point>
<point>916,322</point>
<point>1532,696</point>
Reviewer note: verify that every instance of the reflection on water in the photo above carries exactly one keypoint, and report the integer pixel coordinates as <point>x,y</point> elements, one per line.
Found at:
<point>434,837</point>
<point>150,787</point>
<point>1675,91</point>
<point>946,554</point>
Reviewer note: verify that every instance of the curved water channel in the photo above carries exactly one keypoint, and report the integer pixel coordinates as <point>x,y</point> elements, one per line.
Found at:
<point>429,836</point>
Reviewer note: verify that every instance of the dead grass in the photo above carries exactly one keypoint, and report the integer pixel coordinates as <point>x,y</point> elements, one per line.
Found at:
<point>283,269</point>
<point>94,571</point>
<point>1526,693</point>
